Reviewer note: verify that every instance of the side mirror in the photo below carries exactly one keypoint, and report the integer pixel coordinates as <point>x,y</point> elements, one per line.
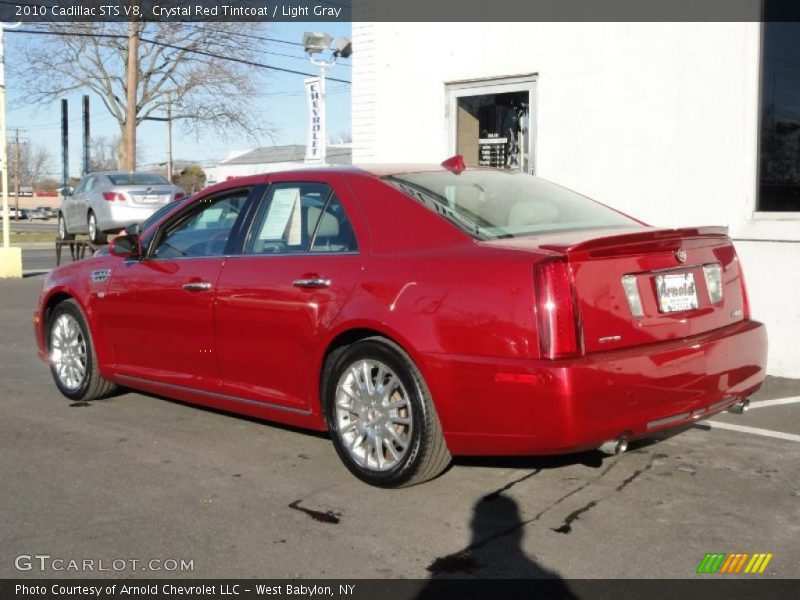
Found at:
<point>125,246</point>
<point>67,191</point>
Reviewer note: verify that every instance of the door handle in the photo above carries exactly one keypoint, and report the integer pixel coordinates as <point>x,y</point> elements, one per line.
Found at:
<point>197,286</point>
<point>316,282</point>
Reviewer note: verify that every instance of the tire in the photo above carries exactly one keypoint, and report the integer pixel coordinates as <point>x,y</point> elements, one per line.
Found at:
<point>73,364</point>
<point>63,234</point>
<point>95,235</point>
<point>381,415</point>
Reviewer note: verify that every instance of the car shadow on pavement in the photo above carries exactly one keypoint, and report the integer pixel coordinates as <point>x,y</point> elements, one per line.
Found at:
<point>495,552</point>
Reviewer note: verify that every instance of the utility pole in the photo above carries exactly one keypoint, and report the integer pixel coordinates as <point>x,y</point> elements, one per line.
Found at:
<point>10,258</point>
<point>169,136</point>
<point>86,136</point>
<point>133,85</point>
<point>16,173</point>
<point>64,147</point>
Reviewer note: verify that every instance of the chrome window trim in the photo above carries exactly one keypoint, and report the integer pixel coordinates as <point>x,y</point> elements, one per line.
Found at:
<point>270,255</point>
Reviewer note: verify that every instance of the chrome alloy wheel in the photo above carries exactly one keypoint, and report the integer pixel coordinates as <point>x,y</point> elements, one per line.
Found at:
<point>373,415</point>
<point>68,351</point>
<point>62,228</point>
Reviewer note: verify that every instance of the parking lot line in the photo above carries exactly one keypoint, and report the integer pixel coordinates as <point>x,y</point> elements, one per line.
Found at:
<point>777,402</point>
<point>791,437</point>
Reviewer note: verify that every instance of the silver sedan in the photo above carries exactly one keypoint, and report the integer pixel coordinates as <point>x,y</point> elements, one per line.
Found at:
<point>110,201</point>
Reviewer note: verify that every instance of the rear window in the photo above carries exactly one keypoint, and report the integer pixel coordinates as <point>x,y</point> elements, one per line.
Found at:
<point>497,204</point>
<point>138,179</point>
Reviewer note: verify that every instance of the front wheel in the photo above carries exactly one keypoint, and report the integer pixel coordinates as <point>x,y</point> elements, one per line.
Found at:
<point>63,234</point>
<point>72,358</point>
<point>381,416</point>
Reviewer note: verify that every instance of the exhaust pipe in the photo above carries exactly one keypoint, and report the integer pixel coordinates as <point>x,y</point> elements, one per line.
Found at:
<point>614,447</point>
<point>740,408</point>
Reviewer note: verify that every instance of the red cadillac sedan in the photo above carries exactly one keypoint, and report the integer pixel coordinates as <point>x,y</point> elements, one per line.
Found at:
<point>415,313</point>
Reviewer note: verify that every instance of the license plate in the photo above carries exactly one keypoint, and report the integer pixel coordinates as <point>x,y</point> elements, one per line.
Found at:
<point>676,292</point>
<point>150,198</point>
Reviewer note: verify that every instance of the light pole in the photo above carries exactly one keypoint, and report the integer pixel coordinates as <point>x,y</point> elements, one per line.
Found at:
<point>10,258</point>
<point>317,43</point>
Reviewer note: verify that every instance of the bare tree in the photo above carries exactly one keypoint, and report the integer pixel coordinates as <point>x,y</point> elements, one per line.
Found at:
<point>104,155</point>
<point>177,61</point>
<point>33,162</point>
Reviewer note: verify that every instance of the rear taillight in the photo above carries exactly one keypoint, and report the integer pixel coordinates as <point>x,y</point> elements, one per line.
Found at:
<point>179,196</point>
<point>556,310</point>
<point>114,197</point>
<point>713,276</point>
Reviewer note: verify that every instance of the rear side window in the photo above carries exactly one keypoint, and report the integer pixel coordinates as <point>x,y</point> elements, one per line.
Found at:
<point>494,204</point>
<point>300,217</point>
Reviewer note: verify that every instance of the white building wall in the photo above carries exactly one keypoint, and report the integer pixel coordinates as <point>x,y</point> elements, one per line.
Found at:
<point>659,120</point>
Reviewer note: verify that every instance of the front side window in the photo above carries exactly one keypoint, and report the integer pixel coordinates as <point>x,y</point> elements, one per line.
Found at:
<point>301,217</point>
<point>501,204</point>
<point>204,231</point>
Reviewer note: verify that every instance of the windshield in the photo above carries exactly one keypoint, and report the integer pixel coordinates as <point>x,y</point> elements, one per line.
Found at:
<point>138,179</point>
<point>497,204</point>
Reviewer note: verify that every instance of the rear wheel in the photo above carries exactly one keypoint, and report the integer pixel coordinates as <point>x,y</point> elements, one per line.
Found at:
<point>63,234</point>
<point>72,358</point>
<point>381,416</point>
<point>95,235</point>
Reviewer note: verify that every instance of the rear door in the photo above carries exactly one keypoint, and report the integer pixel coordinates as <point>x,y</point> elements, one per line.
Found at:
<point>69,207</point>
<point>160,310</point>
<point>81,207</point>
<point>302,259</point>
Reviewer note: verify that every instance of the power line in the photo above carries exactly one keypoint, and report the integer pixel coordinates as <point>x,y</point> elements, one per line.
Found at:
<point>183,48</point>
<point>245,35</point>
<point>251,36</point>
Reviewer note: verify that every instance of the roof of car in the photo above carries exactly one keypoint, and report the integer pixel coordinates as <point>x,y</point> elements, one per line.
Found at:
<point>124,173</point>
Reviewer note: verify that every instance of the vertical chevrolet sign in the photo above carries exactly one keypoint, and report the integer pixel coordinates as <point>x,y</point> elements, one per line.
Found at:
<point>315,95</point>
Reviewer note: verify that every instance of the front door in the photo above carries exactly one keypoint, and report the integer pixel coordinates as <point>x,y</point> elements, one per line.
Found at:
<point>300,264</point>
<point>160,310</point>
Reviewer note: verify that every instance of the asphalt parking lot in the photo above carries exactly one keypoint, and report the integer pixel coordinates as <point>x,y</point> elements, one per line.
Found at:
<point>138,477</point>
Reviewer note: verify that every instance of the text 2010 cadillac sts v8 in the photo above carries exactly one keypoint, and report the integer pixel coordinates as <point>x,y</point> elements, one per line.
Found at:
<point>415,313</point>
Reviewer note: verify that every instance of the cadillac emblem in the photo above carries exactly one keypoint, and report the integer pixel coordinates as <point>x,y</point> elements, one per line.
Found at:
<point>680,255</point>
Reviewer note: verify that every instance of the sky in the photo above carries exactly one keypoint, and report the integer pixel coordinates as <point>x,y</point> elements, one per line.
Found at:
<point>283,106</point>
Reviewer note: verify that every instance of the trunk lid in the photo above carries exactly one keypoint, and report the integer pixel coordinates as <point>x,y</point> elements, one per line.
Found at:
<point>676,297</point>
<point>149,194</point>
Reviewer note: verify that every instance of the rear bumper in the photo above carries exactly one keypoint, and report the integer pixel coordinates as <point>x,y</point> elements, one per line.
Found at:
<point>521,407</point>
<point>113,216</point>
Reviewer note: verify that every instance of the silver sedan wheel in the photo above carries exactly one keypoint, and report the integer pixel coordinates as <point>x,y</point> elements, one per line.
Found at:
<point>373,415</point>
<point>62,228</point>
<point>92,228</point>
<point>68,351</point>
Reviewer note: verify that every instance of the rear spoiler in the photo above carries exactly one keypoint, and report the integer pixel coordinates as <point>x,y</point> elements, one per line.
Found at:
<point>645,241</point>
